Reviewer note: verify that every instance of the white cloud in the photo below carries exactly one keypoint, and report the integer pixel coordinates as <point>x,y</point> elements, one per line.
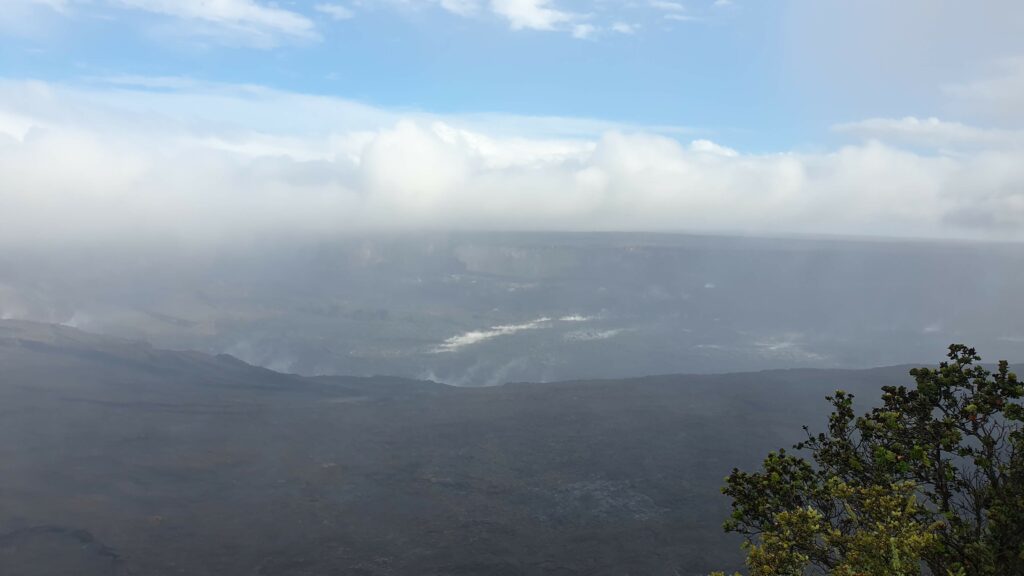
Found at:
<point>15,125</point>
<point>548,15</point>
<point>153,82</point>
<point>625,28</point>
<point>672,10</point>
<point>461,7</point>
<point>998,95</point>
<point>267,24</point>
<point>931,132</point>
<point>31,18</point>
<point>335,11</point>
<point>531,14</point>
<point>220,163</point>
<point>542,15</point>
<point>667,6</point>
<point>709,147</point>
<point>583,31</point>
<point>232,20</point>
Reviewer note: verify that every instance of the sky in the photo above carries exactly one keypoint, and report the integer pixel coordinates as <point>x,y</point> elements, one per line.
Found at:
<point>225,120</point>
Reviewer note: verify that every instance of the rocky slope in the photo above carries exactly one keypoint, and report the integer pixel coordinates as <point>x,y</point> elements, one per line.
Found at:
<point>118,458</point>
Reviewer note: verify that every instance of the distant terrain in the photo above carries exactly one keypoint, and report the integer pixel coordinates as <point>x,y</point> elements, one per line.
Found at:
<point>118,458</point>
<point>476,309</point>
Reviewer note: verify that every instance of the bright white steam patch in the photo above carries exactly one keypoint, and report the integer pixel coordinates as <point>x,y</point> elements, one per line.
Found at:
<point>456,343</point>
<point>576,318</point>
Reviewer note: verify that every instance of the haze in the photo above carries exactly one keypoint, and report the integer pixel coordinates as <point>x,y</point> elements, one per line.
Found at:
<point>459,287</point>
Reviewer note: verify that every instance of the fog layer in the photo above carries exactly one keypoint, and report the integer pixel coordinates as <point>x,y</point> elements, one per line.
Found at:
<point>487,308</point>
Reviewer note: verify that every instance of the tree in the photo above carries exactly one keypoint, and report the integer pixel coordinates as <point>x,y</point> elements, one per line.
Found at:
<point>934,475</point>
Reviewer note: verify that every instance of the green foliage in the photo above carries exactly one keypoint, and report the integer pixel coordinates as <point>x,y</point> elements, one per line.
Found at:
<point>883,535</point>
<point>934,475</point>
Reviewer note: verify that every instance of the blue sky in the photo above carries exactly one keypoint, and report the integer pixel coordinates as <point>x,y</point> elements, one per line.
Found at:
<point>762,83</point>
<point>736,70</point>
<point>698,73</point>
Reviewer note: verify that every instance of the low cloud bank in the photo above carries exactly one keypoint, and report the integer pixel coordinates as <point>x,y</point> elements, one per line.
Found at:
<point>179,160</point>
